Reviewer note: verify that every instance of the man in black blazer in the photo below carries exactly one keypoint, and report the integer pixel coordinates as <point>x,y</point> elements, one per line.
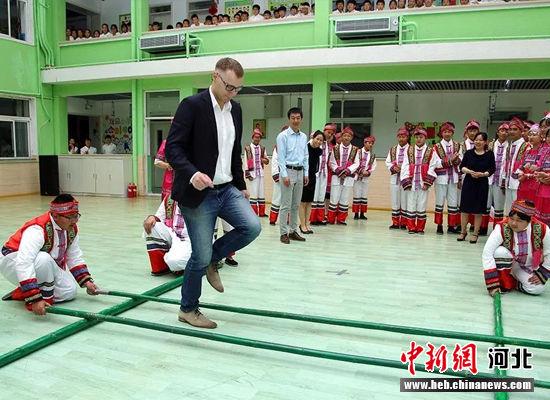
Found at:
<point>204,149</point>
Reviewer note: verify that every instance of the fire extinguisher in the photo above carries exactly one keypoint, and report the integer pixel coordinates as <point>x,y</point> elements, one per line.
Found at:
<point>132,190</point>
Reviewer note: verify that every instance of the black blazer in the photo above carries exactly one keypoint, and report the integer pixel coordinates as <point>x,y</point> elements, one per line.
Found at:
<point>192,145</point>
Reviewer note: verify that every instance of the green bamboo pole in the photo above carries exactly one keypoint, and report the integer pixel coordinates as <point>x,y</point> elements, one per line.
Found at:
<point>351,323</point>
<point>76,327</point>
<point>499,331</point>
<point>303,351</point>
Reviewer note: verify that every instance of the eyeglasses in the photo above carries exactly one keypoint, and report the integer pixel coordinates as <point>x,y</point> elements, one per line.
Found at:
<point>228,87</point>
<point>72,217</point>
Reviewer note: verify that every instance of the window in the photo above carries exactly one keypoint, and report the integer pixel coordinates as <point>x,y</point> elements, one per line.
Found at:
<point>161,104</point>
<point>162,15</point>
<point>355,113</point>
<point>14,128</point>
<point>200,8</point>
<point>15,18</point>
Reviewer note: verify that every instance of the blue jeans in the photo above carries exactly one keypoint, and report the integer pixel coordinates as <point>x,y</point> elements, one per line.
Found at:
<point>227,203</point>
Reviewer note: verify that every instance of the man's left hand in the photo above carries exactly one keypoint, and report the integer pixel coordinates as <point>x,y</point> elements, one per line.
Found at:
<point>91,288</point>
<point>245,194</point>
<point>306,180</point>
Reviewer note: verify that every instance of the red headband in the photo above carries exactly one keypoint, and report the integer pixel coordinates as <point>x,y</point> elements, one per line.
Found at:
<point>521,206</point>
<point>403,131</point>
<point>471,124</point>
<point>420,131</point>
<point>347,130</point>
<point>516,122</point>
<point>330,126</point>
<point>447,126</point>
<point>504,125</point>
<point>371,139</point>
<point>64,208</point>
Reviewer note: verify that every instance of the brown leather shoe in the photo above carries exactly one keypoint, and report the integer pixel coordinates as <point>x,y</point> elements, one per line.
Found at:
<point>213,277</point>
<point>284,239</point>
<point>196,318</point>
<point>294,236</point>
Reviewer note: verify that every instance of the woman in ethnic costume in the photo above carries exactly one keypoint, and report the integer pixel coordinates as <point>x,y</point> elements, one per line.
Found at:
<point>542,175</point>
<point>528,185</point>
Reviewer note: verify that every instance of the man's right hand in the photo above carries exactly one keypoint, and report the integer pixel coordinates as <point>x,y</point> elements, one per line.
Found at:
<point>286,181</point>
<point>39,307</point>
<point>201,181</point>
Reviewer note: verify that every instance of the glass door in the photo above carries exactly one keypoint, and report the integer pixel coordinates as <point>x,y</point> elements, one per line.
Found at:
<point>160,106</point>
<point>158,131</point>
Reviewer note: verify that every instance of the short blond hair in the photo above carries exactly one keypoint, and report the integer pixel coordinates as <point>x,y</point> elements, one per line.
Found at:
<point>228,63</point>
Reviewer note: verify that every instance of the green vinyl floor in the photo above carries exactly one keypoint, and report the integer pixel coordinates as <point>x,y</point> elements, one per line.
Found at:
<point>362,271</point>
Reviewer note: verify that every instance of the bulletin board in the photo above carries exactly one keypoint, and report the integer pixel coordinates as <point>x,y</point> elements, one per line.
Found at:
<point>272,5</point>
<point>260,124</point>
<point>231,7</point>
<point>124,19</point>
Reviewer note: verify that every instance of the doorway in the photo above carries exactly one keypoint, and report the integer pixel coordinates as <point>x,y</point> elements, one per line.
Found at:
<point>158,131</point>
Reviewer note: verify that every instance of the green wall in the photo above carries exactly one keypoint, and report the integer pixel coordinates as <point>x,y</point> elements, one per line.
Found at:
<point>95,52</point>
<point>18,68</point>
<point>480,24</point>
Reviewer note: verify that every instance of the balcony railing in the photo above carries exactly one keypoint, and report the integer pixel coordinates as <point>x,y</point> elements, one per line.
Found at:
<point>485,22</point>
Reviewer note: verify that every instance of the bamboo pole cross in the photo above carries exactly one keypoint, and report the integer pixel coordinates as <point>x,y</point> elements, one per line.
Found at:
<point>351,323</point>
<point>266,345</point>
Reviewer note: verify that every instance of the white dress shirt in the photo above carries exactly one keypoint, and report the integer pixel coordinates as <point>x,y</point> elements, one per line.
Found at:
<point>226,139</point>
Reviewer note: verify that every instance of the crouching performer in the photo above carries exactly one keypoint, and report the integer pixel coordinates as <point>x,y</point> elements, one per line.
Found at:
<point>43,258</point>
<point>168,244</point>
<point>517,253</point>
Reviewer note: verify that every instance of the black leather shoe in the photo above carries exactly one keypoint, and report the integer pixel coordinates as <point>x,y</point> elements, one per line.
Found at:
<point>439,230</point>
<point>295,236</point>
<point>453,229</point>
<point>231,261</point>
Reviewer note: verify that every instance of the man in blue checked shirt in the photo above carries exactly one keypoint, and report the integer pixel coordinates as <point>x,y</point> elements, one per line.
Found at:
<point>293,171</point>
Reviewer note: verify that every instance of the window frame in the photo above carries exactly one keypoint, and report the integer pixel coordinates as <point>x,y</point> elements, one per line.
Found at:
<point>29,24</point>
<point>30,121</point>
<point>342,121</point>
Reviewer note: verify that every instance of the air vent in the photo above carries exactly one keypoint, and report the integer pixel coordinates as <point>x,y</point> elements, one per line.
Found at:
<point>163,43</point>
<point>367,27</point>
